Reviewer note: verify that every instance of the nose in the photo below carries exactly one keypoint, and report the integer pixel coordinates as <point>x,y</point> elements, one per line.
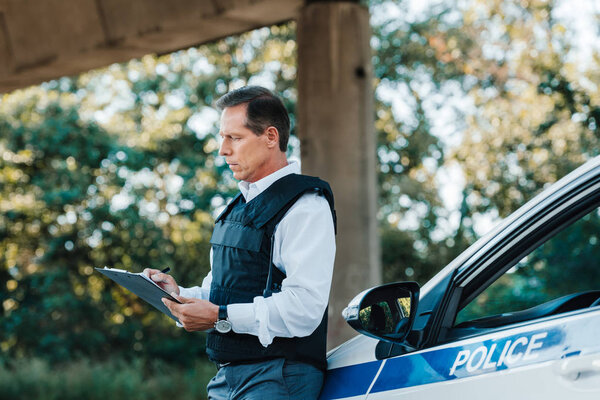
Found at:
<point>224,149</point>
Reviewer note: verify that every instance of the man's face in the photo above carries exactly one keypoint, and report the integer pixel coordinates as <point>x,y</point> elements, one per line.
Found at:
<point>246,154</point>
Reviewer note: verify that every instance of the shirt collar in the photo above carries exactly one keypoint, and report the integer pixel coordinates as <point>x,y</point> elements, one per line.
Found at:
<point>251,190</point>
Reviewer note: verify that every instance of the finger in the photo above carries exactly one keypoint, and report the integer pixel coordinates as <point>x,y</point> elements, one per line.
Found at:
<point>167,302</point>
<point>181,298</point>
<point>149,272</point>
<point>159,277</point>
<point>175,311</point>
<point>171,305</point>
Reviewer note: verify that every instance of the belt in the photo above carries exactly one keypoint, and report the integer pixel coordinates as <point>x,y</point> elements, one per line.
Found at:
<point>221,365</point>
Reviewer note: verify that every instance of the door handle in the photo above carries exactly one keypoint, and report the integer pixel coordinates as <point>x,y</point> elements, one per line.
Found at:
<point>573,367</point>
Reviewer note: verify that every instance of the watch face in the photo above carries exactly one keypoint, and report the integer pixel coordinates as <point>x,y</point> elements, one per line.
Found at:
<point>223,326</point>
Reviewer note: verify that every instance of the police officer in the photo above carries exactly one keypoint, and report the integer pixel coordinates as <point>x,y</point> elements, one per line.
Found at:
<point>264,301</point>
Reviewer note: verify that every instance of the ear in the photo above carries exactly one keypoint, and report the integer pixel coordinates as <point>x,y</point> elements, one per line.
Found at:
<point>272,136</point>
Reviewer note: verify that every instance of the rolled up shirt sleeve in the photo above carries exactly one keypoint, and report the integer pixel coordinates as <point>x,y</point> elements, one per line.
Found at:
<point>304,249</point>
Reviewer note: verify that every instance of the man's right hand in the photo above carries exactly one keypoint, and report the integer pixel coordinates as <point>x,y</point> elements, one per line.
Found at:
<point>165,281</point>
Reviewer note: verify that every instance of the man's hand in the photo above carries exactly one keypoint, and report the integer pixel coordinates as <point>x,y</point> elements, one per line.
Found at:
<point>165,281</point>
<point>193,314</point>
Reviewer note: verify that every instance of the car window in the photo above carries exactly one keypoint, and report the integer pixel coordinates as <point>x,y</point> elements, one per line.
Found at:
<point>566,264</point>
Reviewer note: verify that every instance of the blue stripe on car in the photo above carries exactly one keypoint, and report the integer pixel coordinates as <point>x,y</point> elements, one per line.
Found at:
<point>470,360</point>
<point>349,381</point>
<point>448,363</point>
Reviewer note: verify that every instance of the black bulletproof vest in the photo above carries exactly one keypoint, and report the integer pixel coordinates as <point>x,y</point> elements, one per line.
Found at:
<point>242,269</point>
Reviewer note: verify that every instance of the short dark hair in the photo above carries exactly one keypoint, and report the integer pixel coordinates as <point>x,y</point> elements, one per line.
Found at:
<point>264,109</point>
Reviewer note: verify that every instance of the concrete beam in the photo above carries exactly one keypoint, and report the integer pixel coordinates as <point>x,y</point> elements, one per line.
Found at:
<point>45,40</point>
<point>336,130</point>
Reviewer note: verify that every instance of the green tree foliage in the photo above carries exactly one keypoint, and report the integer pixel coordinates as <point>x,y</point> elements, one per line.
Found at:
<point>415,60</point>
<point>526,115</point>
<point>537,114</point>
<point>35,379</point>
<point>59,174</point>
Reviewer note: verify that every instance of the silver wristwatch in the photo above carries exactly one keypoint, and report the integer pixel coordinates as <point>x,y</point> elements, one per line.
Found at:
<point>222,325</point>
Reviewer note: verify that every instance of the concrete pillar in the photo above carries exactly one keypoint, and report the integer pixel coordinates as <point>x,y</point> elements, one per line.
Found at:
<point>335,127</point>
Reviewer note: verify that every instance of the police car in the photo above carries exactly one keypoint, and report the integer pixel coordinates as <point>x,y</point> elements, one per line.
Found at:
<point>454,339</point>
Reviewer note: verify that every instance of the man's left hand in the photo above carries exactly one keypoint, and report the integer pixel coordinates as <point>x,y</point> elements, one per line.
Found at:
<point>193,314</point>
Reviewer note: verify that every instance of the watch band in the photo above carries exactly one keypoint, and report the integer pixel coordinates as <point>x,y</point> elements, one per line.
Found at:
<point>222,312</point>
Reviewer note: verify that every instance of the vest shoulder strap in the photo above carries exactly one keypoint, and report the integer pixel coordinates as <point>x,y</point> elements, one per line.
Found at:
<point>229,207</point>
<point>276,200</point>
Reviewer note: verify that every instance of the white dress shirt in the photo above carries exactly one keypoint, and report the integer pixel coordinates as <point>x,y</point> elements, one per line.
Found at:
<point>304,249</point>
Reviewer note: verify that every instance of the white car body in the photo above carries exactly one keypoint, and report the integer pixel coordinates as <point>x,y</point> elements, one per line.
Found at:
<point>551,351</point>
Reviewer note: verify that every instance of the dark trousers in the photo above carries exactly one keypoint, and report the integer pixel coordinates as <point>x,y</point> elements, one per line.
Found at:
<point>273,379</point>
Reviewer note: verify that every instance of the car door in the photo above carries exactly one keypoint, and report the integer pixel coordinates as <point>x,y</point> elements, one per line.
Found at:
<point>557,358</point>
<point>521,319</point>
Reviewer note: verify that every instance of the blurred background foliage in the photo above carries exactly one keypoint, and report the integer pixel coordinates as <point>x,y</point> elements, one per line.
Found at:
<point>479,106</point>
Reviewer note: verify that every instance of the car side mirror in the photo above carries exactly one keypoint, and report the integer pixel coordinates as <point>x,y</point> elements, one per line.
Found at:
<point>384,312</point>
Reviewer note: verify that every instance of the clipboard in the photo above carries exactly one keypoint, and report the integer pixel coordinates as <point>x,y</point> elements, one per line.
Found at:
<point>142,286</point>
